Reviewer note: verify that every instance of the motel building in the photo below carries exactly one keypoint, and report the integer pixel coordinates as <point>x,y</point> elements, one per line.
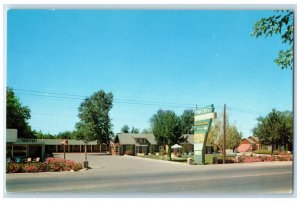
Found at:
<point>21,148</point>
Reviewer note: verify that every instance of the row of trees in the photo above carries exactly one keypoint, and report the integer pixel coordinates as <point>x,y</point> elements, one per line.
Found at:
<point>186,118</point>
<point>275,129</point>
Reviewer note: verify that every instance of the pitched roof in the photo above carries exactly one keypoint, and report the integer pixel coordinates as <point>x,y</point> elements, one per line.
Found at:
<point>254,138</point>
<point>151,139</point>
<point>251,140</point>
<point>125,138</point>
<point>189,138</point>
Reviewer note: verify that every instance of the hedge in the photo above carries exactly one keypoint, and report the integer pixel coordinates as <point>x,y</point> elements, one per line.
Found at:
<point>50,165</point>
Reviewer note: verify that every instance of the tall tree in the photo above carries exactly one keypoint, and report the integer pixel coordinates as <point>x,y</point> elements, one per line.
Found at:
<point>95,123</point>
<point>135,130</point>
<point>167,129</point>
<point>275,129</point>
<point>125,129</point>
<point>233,137</point>
<point>216,134</point>
<point>17,116</point>
<point>187,118</point>
<point>283,24</point>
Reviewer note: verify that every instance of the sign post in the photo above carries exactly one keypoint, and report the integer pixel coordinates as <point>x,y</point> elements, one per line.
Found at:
<point>64,142</point>
<point>202,122</point>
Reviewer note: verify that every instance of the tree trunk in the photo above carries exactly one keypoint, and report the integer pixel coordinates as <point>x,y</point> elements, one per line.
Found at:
<point>169,153</point>
<point>272,149</point>
<point>85,154</point>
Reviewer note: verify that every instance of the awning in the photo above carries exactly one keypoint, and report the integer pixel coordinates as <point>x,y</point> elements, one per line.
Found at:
<point>176,146</point>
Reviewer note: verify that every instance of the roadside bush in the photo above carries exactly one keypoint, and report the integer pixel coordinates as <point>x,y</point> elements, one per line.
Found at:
<point>262,152</point>
<point>267,158</point>
<point>32,167</point>
<point>50,165</point>
<point>284,157</point>
<point>227,160</point>
<point>284,153</point>
<point>15,167</point>
<point>58,164</point>
<point>249,159</point>
<point>162,152</point>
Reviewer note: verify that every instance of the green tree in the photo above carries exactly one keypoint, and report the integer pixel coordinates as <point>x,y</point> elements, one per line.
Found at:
<point>233,137</point>
<point>287,130</point>
<point>17,116</point>
<point>95,123</point>
<point>67,135</point>
<point>276,129</point>
<point>187,118</point>
<point>215,134</point>
<point>40,135</point>
<point>146,131</point>
<point>282,24</point>
<point>125,129</point>
<point>167,129</point>
<point>135,130</point>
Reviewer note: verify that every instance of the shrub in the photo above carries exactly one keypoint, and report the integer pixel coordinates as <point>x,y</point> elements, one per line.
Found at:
<point>267,158</point>
<point>32,167</point>
<point>227,160</point>
<point>162,152</point>
<point>15,167</point>
<point>284,153</point>
<point>249,159</point>
<point>58,164</point>
<point>50,165</point>
<point>262,152</point>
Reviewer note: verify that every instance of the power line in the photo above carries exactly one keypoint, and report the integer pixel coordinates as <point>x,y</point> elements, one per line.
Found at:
<point>131,102</point>
<point>63,95</point>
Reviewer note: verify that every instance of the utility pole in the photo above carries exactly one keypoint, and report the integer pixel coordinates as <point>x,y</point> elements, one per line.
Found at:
<point>224,135</point>
<point>64,151</point>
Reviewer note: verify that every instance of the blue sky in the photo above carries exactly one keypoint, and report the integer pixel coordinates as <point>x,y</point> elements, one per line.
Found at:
<point>168,59</point>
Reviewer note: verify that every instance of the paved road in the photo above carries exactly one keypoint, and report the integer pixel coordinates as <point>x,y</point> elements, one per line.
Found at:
<point>119,176</point>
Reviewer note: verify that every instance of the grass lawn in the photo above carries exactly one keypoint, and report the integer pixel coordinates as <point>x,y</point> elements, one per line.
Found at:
<point>208,158</point>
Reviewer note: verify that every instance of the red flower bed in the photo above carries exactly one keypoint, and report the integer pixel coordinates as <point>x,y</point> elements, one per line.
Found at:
<point>50,165</point>
<point>269,158</point>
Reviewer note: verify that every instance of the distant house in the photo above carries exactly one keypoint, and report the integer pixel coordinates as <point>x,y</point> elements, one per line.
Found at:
<point>134,144</point>
<point>188,143</point>
<point>249,144</point>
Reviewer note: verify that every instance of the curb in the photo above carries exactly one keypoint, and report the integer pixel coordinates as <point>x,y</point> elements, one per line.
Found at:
<point>157,160</point>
